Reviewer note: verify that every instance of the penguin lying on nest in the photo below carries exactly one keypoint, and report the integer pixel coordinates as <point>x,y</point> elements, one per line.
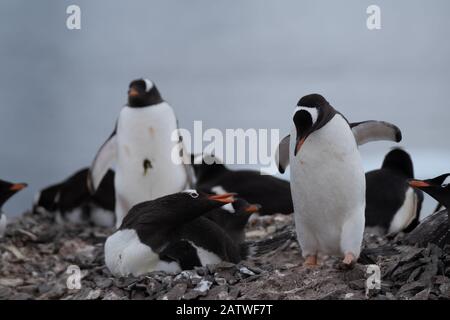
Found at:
<point>171,234</point>
<point>7,190</point>
<point>392,205</point>
<point>436,227</point>
<point>271,193</point>
<point>71,200</point>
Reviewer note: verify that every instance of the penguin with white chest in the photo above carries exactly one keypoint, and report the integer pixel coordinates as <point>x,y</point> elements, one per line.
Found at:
<point>142,148</point>
<point>7,190</point>
<point>327,178</point>
<point>392,205</point>
<point>169,234</point>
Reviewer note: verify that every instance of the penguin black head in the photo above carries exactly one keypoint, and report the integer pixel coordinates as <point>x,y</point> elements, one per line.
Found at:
<point>8,189</point>
<point>185,202</point>
<point>241,205</point>
<point>143,93</point>
<point>243,211</point>
<point>438,188</point>
<point>312,113</point>
<point>399,161</point>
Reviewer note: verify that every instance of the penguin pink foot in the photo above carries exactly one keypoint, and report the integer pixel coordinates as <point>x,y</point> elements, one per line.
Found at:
<point>348,262</point>
<point>310,261</point>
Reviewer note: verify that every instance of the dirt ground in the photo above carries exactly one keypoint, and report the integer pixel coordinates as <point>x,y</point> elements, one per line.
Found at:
<point>37,259</point>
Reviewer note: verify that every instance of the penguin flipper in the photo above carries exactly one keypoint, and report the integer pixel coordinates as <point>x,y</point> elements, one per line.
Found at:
<point>368,131</point>
<point>103,162</point>
<point>282,154</point>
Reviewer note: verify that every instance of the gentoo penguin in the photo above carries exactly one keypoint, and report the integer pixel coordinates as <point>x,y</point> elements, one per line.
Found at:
<point>436,227</point>
<point>71,201</point>
<point>391,204</point>
<point>147,150</point>
<point>271,193</point>
<point>7,189</point>
<point>327,177</point>
<point>234,217</point>
<point>170,234</point>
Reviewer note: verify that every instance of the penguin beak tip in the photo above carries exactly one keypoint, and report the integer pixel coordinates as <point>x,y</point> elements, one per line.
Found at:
<point>18,186</point>
<point>253,208</point>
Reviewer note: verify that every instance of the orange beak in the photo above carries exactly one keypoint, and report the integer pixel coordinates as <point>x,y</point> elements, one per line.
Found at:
<point>418,184</point>
<point>133,92</point>
<point>18,186</point>
<point>299,145</point>
<point>224,198</point>
<point>252,208</point>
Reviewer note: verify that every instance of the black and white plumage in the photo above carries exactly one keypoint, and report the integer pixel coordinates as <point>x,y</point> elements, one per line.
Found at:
<point>271,193</point>
<point>7,190</point>
<point>436,227</point>
<point>327,177</point>
<point>392,205</point>
<point>71,201</point>
<point>170,234</point>
<point>147,151</point>
<point>233,218</point>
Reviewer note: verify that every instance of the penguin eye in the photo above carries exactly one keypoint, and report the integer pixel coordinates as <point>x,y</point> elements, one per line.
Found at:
<point>194,195</point>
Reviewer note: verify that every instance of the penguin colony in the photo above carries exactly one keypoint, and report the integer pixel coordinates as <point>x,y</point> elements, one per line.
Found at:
<point>176,215</point>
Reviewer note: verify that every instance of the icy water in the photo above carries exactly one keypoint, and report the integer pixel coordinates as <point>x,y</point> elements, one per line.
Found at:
<point>241,65</point>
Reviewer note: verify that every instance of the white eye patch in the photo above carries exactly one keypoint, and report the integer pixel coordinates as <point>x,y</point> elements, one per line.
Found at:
<point>446,182</point>
<point>193,193</point>
<point>312,111</point>
<point>148,85</point>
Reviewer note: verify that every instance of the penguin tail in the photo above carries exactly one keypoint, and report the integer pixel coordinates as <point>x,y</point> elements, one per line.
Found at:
<point>257,248</point>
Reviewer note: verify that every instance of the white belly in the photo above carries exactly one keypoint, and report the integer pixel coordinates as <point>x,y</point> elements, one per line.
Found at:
<point>145,134</point>
<point>125,255</point>
<point>406,214</point>
<point>3,223</point>
<point>328,189</point>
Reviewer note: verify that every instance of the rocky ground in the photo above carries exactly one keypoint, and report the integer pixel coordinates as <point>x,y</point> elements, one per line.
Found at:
<point>36,255</point>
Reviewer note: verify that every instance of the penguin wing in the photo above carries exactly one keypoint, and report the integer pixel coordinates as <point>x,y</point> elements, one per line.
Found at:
<point>188,166</point>
<point>368,131</point>
<point>282,154</point>
<point>103,162</point>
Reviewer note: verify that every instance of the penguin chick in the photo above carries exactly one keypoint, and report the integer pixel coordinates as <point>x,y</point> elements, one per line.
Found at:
<point>233,218</point>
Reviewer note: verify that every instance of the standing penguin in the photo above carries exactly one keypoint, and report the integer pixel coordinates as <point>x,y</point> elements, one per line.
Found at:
<point>7,189</point>
<point>391,204</point>
<point>149,162</point>
<point>436,227</point>
<point>327,177</point>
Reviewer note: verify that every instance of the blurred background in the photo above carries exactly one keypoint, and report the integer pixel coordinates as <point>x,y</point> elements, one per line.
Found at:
<point>230,64</point>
